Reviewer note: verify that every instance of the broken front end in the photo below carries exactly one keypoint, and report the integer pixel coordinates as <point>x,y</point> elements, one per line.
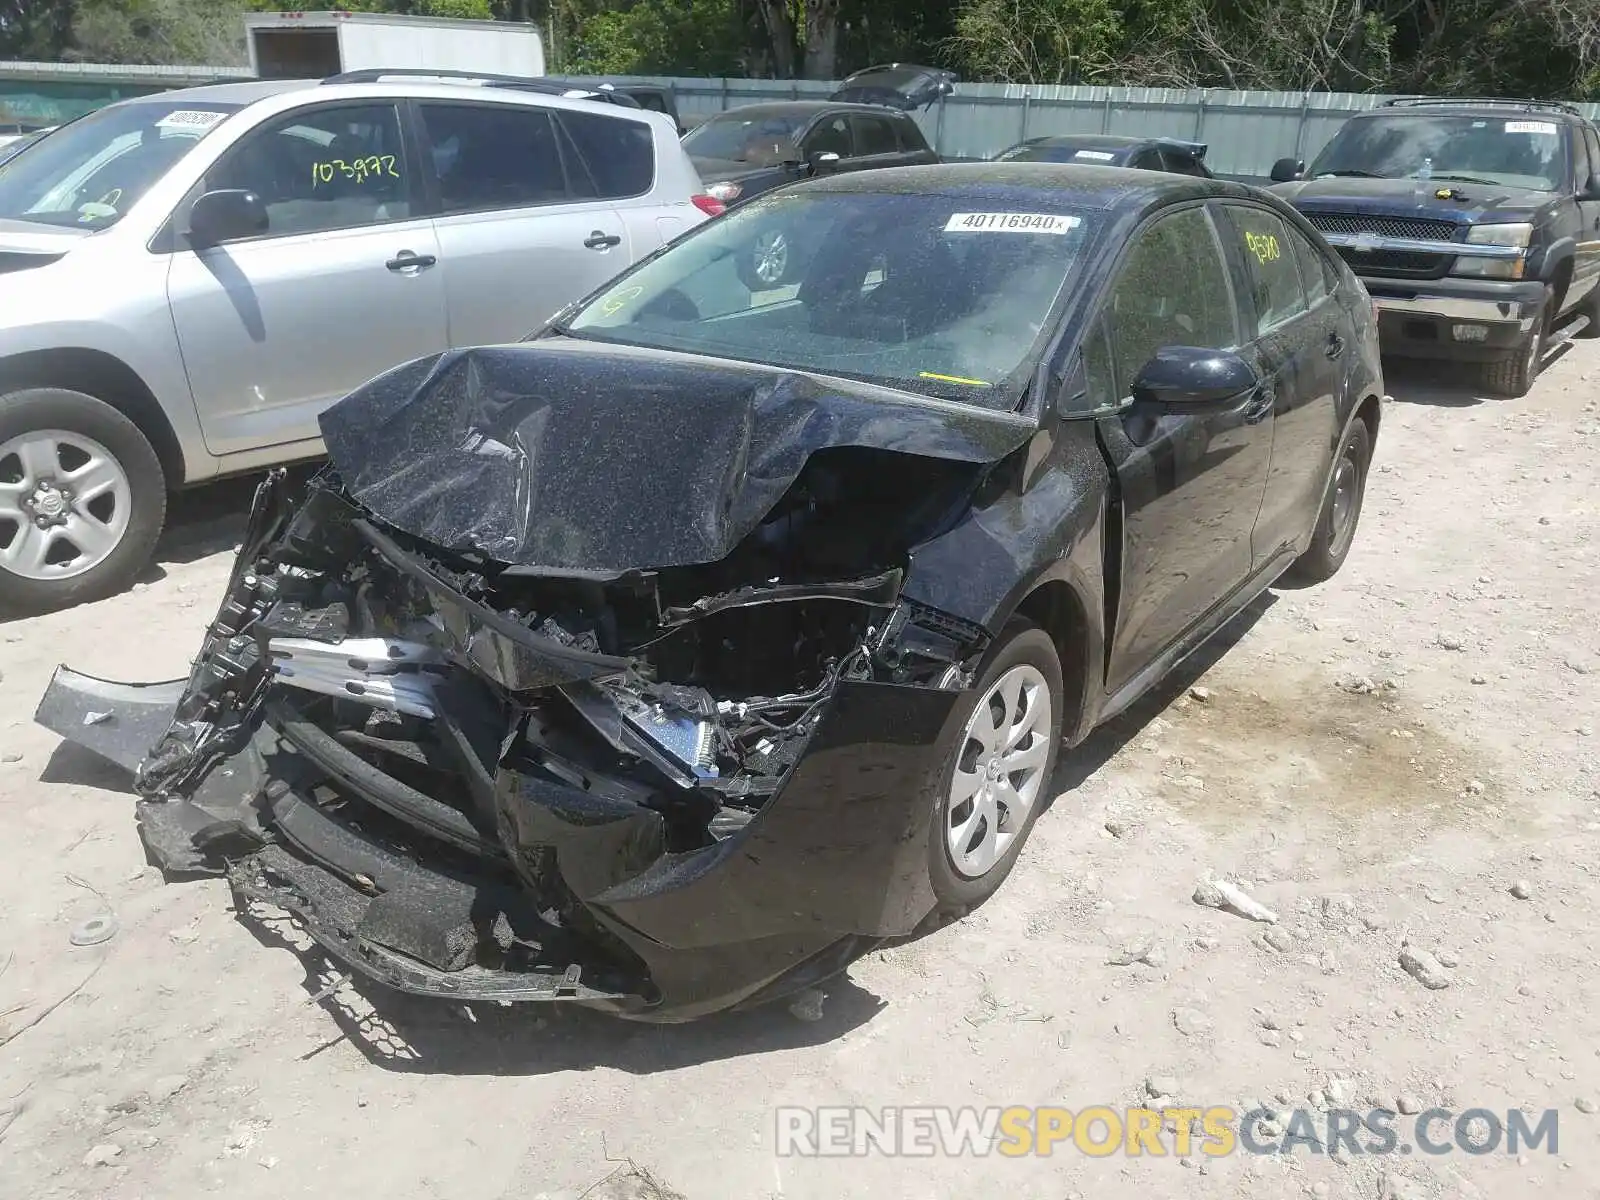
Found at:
<point>661,792</point>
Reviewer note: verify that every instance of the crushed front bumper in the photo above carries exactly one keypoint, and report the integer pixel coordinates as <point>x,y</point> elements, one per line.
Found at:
<point>511,883</point>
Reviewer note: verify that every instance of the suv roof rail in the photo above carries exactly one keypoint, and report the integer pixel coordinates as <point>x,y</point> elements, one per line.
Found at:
<point>516,83</point>
<point>1482,102</point>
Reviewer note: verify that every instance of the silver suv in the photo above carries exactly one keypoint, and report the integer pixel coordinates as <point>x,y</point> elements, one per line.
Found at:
<point>188,279</point>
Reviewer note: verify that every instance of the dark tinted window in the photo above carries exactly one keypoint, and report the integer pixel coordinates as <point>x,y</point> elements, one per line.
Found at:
<point>1592,140</point>
<point>1146,160</point>
<point>332,168</point>
<point>1316,272</point>
<point>1269,259</point>
<point>489,157</point>
<point>1171,290</point>
<point>1100,380</point>
<point>830,135</point>
<point>1519,149</point>
<point>874,135</point>
<point>619,154</point>
<point>910,132</point>
<point>1182,163</point>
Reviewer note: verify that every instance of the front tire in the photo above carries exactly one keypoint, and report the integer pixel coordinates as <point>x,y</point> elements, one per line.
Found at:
<point>999,757</point>
<point>82,500</point>
<point>1341,510</point>
<point>1512,377</point>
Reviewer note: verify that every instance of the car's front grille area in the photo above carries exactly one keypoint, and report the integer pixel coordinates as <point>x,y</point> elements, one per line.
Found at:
<point>1397,264</point>
<point>1420,228</point>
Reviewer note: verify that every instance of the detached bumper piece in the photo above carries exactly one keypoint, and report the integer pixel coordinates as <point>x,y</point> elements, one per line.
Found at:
<point>659,795</point>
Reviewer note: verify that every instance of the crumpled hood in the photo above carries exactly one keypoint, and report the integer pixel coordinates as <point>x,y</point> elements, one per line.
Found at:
<point>576,456</point>
<point>1470,202</point>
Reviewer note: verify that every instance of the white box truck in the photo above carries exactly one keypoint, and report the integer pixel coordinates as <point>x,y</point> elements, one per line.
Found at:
<point>314,45</point>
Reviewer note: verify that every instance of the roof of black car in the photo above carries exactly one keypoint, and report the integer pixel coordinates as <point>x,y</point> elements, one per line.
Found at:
<point>1055,185</point>
<point>1090,141</point>
<point>799,108</point>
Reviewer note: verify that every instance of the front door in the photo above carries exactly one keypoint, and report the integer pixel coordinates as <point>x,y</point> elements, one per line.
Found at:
<point>1190,483</point>
<point>521,234</point>
<point>343,285</point>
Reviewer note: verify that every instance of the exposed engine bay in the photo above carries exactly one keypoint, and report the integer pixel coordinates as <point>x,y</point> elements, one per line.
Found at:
<point>660,742</point>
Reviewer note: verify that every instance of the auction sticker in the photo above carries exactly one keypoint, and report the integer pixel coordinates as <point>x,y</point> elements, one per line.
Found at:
<point>191,118</point>
<point>1094,155</point>
<point>1547,128</point>
<point>1010,222</point>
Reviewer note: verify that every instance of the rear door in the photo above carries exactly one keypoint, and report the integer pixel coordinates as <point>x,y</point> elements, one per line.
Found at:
<point>612,160</point>
<point>520,232</point>
<point>1191,482</point>
<point>1586,270</point>
<point>343,285</point>
<point>1298,328</point>
<point>875,143</point>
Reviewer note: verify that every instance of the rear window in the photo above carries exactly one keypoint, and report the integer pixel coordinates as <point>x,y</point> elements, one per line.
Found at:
<point>618,154</point>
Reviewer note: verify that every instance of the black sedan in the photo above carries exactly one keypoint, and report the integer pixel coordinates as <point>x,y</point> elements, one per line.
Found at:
<point>671,660</point>
<point>1104,150</point>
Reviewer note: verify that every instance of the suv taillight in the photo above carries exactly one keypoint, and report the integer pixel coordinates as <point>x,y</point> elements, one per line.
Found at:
<point>709,205</point>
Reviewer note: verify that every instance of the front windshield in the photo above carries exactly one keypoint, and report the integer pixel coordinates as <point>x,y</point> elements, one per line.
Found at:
<point>1518,151</point>
<point>947,295</point>
<point>761,140</point>
<point>89,173</point>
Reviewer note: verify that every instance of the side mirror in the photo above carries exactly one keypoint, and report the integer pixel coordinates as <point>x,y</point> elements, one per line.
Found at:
<point>1591,189</point>
<point>1181,377</point>
<point>1287,170</point>
<point>824,162</point>
<point>224,215</point>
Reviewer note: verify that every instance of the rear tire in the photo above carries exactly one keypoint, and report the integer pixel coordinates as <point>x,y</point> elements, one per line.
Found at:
<point>1341,510</point>
<point>1512,377</point>
<point>769,263</point>
<point>82,500</point>
<point>999,755</point>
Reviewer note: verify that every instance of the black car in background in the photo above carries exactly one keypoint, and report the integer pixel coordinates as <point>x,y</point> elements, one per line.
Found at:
<point>1475,225</point>
<point>673,659</point>
<point>749,150</point>
<point>1108,150</point>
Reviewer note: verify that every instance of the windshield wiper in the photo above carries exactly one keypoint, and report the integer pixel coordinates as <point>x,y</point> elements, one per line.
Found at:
<point>1466,179</point>
<point>1353,173</point>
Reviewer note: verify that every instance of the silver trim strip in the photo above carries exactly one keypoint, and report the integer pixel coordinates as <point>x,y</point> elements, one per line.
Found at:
<point>1454,308</point>
<point>1367,243</point>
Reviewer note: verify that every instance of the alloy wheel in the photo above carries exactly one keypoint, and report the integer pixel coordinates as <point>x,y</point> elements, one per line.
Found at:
<point>999,770</point>
<point>65,503</point>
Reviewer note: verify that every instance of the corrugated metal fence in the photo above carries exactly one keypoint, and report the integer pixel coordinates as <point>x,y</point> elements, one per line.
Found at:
<point>1247,131</point>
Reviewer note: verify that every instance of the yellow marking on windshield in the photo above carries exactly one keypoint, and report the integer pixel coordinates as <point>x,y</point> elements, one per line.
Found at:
<point>953,379</point>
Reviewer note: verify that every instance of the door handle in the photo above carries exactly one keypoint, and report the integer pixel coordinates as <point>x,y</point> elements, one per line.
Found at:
<point>1335,345</point>
<point>1260,406</point>
<point>407,260</point>
<point>599,240</point>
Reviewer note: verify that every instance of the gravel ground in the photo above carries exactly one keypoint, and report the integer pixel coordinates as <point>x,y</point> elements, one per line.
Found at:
<point>1401,764</point>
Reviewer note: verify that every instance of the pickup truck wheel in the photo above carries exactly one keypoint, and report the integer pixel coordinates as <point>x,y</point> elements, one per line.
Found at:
<point>82,500</point>
<point>1341,511</point>
<point>999,757</point>
<point>1511,377</point>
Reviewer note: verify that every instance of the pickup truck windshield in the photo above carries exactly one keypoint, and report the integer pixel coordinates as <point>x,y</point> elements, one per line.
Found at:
<point>919,292</point>
<point>766,141</point>
<point>1518,150</point>
<point>89,173</point>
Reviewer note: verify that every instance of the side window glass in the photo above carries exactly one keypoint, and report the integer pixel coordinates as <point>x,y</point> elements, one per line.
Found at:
<point>910,136</point>
<point>1269,262</point>
<point>1313,268</point>
<point>1591,138</point>
<point>831,136</point>
<point>1183,164</point>
<point>494,157</point>
<point>1146,160</point>
<point>620,154</point>
<point>333,168</point>
<point>1099,378</point>
<point>1171,290</point>
<point>874,135</point>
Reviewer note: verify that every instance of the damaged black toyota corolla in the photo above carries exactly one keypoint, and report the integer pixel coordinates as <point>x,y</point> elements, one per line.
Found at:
<point>674,658</point>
